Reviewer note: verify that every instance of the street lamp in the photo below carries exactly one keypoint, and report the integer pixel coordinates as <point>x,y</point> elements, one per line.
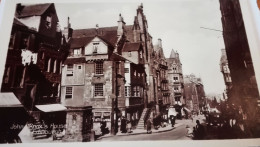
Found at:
<point>114,123</point>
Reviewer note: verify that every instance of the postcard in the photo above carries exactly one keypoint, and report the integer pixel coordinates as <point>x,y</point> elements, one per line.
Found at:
<point>181,72</point>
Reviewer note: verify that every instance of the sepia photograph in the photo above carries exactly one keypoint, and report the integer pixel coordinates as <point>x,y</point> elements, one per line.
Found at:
<point>95,71</point>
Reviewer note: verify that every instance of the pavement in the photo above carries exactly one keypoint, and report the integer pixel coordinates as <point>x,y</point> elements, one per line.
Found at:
<point>144,131</point>
<point>27,138</point>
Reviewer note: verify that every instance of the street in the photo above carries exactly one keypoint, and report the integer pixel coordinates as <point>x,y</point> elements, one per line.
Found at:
<point>179,133</point>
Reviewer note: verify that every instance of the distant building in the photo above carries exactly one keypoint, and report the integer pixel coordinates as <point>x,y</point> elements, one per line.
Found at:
<point>225,71</point>
<point>160,74</point>
<point>175,78</point>
<point>194,93</point>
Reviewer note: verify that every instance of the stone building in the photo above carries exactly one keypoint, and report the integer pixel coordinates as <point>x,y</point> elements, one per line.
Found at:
<point>175,78</point>
<point>176,83</point>
<point>160,74</point>
<point>244,92</point>
<point>194,93</point>
<point>106,72</point>
<point>156,88</point>
<point>35,55</point>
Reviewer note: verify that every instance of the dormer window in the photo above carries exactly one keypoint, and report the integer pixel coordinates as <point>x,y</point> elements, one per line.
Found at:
<point>77,51</point>
<point>48,22</point>
<point>95,47</point>
<point>129,54</point>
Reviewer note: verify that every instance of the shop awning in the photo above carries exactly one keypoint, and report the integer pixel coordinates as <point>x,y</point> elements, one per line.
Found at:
<point>51,107</point>
<point>8,99</point>
<point>186,109</point>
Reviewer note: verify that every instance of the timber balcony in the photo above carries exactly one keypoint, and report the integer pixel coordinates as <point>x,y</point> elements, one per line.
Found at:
<point>133,101</point>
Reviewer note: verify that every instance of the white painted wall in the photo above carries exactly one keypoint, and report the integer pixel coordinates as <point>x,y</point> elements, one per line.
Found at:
<point>32,22</point>
<point>102,47</point>
<point>127,75</point>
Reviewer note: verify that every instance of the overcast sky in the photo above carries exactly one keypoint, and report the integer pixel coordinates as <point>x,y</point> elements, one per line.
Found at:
<point>177,23</point>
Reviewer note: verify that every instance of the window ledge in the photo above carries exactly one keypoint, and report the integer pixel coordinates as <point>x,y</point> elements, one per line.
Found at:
<point>98,75</point>
<point>98,99</point>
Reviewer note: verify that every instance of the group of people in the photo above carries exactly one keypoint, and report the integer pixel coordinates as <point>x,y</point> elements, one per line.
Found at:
<point>126,126</point>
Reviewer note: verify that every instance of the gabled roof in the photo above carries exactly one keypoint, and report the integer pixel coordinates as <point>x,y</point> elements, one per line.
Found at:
<point>80,42</point>
<point>92,31</point>
<point>33,10</point>
<point>17,22</point>
<point>75,60</point>
<point>131,47</point>
<point>108,34</point>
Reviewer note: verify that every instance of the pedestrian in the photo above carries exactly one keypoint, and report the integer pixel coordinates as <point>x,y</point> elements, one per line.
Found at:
<point>123,125</point>
<point>103,125</point>
<point>172,120</point>
<point>200,131</point>
<point>129,126</point>
<point>149,126</point>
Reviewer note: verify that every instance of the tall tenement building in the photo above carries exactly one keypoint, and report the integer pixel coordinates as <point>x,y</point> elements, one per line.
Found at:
<point>175,78</point>
<point>244,92</point>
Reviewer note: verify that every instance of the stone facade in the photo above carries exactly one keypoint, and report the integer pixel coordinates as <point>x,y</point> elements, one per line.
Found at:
<point>175,78</point>
<point>194,93</point>
<point>35,56</point>
<point>78,124</point>
<point>244,92</point>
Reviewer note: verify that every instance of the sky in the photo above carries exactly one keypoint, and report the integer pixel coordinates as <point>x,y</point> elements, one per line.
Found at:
<point>178,23</point>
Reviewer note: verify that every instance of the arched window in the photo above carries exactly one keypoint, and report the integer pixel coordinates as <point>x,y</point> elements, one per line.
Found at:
<point>60,66</point>
<point>55,66</point>
<point>49,65</point>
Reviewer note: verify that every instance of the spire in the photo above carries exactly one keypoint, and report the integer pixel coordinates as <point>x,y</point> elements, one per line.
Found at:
<point>172,54</point>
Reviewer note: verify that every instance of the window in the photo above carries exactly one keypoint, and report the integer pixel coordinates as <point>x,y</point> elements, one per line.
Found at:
<point>99,67</point>
<point>42,55</point>
<point>118,91</point>
<point>136,91</point>
<point>176,88</point>
<point>7,74</point>
<point>70,70</point>
<point>95,47</point>
<point>77,52</point>
<point>106,116</point>
<point>68,93</point>
<point>48,21</point>
<point>175,78</point>
<point>55,66</point>
<point>60,66</point>
<point>127,91</point>
<point>126,70</point>
<point>69,67</point>
<point>49,65</point>
<point>129,54</point>
<point>97,116</point>
<point>79,67</point>
<point>98,91</point>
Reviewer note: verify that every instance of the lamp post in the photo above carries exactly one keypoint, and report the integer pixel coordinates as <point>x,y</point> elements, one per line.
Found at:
<point>114,112</point>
